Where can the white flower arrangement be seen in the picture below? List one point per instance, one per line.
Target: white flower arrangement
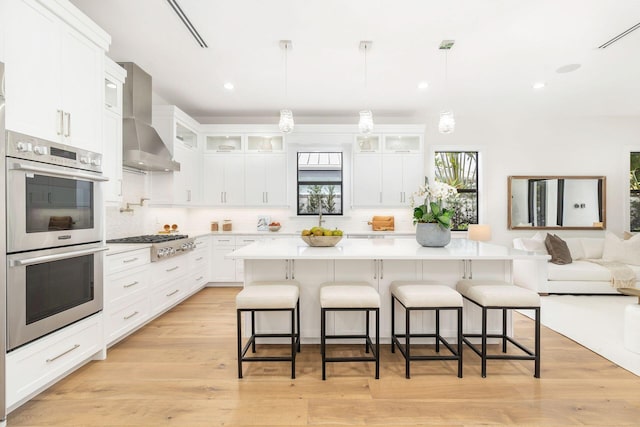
(429, 202)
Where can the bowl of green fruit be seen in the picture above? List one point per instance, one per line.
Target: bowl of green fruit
(318, 236)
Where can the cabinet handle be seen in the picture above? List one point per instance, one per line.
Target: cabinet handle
(199, 278)
(173, 268)
(188, 195)
(130, 284)
(60, 122)
(130, 260)
(173, 293)
(67, 132)
(375, 269)
(120, 192)
(63, 353)
(222, 240)
(135, 313)
(266, 194)
(293, 269)
(199, 258)
(381, 269)
(222, 197)
(286, 269)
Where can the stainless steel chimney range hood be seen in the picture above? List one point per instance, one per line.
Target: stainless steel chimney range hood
(143, 148)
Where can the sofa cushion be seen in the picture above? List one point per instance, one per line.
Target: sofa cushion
(575, 247)
(583, 271)
(558, 249)
(593, 247)
(534, 245)
(625, 251)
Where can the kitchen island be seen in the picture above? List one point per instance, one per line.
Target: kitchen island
(379, 262)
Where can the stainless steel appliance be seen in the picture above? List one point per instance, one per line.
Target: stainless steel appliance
(52, 288)
(56, 199)
(3, 262)
(162, 245)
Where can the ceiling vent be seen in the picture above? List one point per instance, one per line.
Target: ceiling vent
(185, 20)
(619, 36)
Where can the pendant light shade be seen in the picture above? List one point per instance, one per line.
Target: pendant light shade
(365, 125)
(286, 121)
(286, 116)
(447, 123)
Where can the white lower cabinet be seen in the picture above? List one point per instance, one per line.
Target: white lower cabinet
(35, 366)
(224, 269)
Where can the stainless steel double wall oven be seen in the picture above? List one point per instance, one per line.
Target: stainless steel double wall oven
(54, 236)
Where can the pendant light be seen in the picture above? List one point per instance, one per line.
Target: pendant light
(447, 123)
(365, 125)
(286, 116)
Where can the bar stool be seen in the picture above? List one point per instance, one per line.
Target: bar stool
(269, 297)
(498, 295)
(421, 296)
(350, 296)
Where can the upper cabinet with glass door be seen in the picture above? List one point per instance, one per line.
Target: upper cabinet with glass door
(265, 143)
(188, 137)
(368, 144)
(229, 143)
(113, 94)
(402, 143)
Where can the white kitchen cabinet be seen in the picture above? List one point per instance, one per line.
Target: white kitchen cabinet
(179, 132)
(223, 179)
(225, 269)
(367, 179)
(265, 179)
(401, 176)
(199, 264)
(34, 366)
(112, 131)
(55, 73)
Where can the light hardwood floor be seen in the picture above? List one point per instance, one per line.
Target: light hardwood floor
(181, 370)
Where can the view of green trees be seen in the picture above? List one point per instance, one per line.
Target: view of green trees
(460, 170)
(634, 193)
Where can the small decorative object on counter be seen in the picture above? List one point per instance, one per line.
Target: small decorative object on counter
(214, 225)
(382, 223)
(274, 226)
(226, 225)
(263, 222)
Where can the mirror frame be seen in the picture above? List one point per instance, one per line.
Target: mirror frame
(604, 202)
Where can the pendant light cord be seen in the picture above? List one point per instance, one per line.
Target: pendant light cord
(286, 70)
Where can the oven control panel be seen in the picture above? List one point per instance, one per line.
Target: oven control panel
(21, 146)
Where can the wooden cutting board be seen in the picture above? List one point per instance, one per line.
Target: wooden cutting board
(382, 223)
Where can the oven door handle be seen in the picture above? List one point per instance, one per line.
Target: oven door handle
(56, 172)
(49, 258)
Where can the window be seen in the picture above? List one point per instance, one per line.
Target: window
(460, 170)
(634, 191)
(319, 183)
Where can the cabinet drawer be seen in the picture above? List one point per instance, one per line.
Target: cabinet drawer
(125, 260)
(198, 259)
(129, 316)
(35, 365)
(126, 284)
(169, 269)
(197, 279)
(167, 295)
(202, 242)
(224, 240)
(246, 240)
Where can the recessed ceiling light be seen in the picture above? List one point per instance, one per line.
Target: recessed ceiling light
(568, 68)
(539, 85)
(423, 85)
(228, 86)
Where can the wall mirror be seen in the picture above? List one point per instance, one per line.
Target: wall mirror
(557, 202)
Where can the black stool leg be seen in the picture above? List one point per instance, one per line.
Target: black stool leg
(459, 310)
(293, 345)
(253, 330)
(322, 342)
(377, 343)
(537, 344)
(298, 323)
(407, 342)
(504, 330)
(366, 342)
(393, 324)
(484, 342)
(239, 325)
(437, 330)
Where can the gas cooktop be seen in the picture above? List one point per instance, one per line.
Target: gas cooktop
(149, 238)
(162, 245)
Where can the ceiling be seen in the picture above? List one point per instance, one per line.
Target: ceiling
(501, 48)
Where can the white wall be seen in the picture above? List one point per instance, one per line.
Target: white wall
(510, 146)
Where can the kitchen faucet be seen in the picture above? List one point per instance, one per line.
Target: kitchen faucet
(320, 220)
(130, 209)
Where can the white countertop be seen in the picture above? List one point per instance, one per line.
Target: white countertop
(389, 248)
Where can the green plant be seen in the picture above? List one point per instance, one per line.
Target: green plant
(430, 203)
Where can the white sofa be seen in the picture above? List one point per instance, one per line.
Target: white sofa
(578, 277)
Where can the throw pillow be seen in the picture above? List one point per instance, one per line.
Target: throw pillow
(558, 250)
(575, 248)
(624, 251)
(534, 245)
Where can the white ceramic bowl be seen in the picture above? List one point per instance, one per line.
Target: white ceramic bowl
(274, 227)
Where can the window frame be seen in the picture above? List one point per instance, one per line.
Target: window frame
(631, 192)
(340, 183)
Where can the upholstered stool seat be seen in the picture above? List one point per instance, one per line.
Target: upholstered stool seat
(269, 296)
(350, 296)
(422, 296)
(499, 295)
